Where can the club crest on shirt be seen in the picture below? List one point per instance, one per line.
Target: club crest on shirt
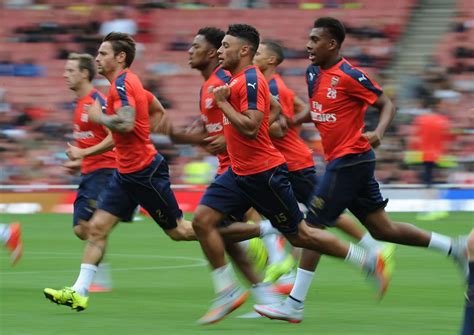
(210, 89)
(334, 81)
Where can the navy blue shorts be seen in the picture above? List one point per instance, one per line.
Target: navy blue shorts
(269, 192)
(348, 182)
(303, 182)
(150, 188)
(90, 188)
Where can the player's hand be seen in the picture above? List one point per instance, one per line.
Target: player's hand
(72, 166)
(221, 93)
(283, 121)
(373, 137)
(216, 145)
(74, 153)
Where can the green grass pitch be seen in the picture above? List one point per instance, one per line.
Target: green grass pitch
(163, 287)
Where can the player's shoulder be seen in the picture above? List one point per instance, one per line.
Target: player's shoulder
(312, 73)
(128, 78)
(354, 76)
(221, 75)
(349, 71)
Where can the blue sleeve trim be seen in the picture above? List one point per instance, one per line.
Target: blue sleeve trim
(121, 89)
(251, 82)
(103, 104)
(274, 88)
(312, 74)
(223, 76)
(359, 77)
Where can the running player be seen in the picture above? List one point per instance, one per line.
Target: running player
(302, 172)
(92, 151)
(10, 236)
(339, 95)
(142, 177)
(203, 57)
(257, 178)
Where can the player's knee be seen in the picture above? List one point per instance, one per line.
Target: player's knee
(81, 232)
(174, 234)
(300, 239)
(97, 230)
(202, 222)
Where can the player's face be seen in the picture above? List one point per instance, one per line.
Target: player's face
(74, 77)
(319, 46)
(229, 52)
(106, 61)
(199, 53)
(262, 57)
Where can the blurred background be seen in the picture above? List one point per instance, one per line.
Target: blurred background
(420, 51)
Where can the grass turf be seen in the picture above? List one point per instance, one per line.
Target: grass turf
(163, 287)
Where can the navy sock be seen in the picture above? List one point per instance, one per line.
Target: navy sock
(468, 326)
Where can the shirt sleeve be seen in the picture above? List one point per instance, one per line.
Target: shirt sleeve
(125, 93)
(252, 94)
(149, 97)
(360, 86)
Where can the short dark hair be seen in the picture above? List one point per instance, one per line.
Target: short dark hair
(213, 35)
(122, 42)
(276, 48)
(84, 62)
(245, 32)
(333, 26)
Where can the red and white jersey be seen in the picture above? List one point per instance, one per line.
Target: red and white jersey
(211, 115)
(249, 91)
(339, 97)
(88, 134)
(296, 152)
(135, 151)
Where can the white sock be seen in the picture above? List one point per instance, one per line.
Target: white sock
(4, 232)
(275, 252)
(102, 276)
(368, 242)
(303, 281)
(266, 228)
(441, 243)
(357, 255)
(84, 280)
(223, 278)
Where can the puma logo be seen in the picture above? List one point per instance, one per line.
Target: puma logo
(362, 78)
(252, 85)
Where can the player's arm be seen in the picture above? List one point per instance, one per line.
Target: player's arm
(275, 109)
(75, 153)
(195, 134)
(159, 119)
(302, 112)
(122, 122)
(247, 123)
(387, 113)
(279, 128)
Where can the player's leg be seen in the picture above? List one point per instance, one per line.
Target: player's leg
(289, 220)
(468, 325)
(90, 187)
(10, 236)
(114, 205)
(369, 208)
(263, 293)
(222, 196)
